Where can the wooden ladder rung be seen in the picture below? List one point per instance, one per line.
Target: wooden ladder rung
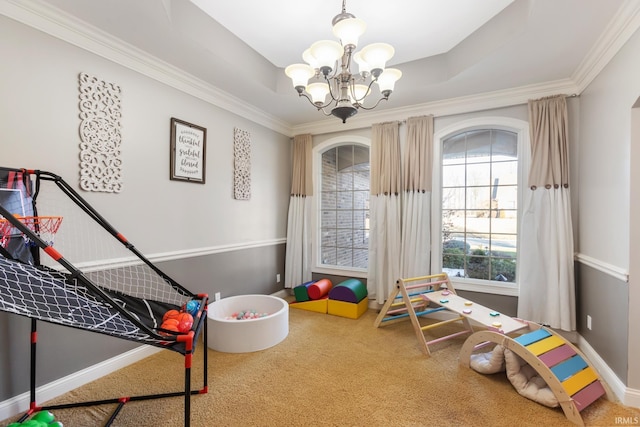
(443, 322)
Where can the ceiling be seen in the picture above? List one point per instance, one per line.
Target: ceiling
(447, 49)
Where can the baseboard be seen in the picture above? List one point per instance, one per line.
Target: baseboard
(20, 404)
(282, 293)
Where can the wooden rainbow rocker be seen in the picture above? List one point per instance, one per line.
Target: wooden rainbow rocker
(572, 380)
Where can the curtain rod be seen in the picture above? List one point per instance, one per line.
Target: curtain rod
(403, 122)
(572, 95)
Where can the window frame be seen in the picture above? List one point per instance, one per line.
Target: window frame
(318, 150)
(521, 129)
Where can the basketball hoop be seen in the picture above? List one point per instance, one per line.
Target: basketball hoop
(44, 226)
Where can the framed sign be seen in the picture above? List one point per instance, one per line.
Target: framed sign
(188, 151)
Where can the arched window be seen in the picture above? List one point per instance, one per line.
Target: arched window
(341, 167)
(481, 167)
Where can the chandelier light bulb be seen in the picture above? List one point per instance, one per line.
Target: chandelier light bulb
(349, 31)
(387, 80)
(318, 92)
(310, 59)
(299, 75)
(363, 66)
(326, 52)
(377, 55)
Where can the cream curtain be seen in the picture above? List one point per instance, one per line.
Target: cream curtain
(545, 259)
(298, 251)
(385, 211)
(416, 203)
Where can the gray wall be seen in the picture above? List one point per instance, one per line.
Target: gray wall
(61, 352)
(604, 221)
(239, 244)
(609, 321)
(248, 271)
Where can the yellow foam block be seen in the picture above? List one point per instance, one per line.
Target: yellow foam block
(319, 305)
(348, 309)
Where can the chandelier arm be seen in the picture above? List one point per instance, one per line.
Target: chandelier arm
(319, 107)
(384, 98)
(367, 93)
(333, 98)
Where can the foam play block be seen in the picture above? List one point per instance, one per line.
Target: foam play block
(351, 290)
(318, 306)
(319, 289)
(347, 309)
(301, 292)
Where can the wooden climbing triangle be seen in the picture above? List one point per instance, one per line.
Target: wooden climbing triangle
(411, 299)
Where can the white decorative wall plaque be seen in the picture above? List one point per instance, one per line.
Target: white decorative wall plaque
(241, 164)
(100, 136)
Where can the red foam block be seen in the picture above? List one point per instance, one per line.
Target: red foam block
(319, 288)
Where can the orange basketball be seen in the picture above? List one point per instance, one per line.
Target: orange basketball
(169, 325)
(173, 322)
(185, 322)
(171, 314)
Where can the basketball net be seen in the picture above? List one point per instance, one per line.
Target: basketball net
(45, 227)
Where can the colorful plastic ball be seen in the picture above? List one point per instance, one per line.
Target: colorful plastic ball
(44, 416)
(192, 307)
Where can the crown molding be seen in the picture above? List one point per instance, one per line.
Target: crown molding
(63, 26)
(623, 25)
(466, 104)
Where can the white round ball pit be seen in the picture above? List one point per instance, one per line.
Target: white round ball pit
(247, 335)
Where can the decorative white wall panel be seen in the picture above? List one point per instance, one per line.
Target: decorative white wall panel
(241, 164)
(100, 135)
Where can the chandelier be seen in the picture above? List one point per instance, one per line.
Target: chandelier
(327, 80)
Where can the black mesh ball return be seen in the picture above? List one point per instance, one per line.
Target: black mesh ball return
(105, 285)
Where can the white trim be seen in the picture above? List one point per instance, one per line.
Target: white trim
(490, 287)
(603, 267)
(627, 396)
(190, 253)
(618, 32)
(68, 28)
(19, 404)
(172, 256)
(446, 107)
(65, 27)
(282, 293)
(316, 266)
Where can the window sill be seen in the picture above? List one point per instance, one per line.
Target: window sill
(356, 273)
(488, 287)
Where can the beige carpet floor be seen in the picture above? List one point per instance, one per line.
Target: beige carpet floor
(329, 371)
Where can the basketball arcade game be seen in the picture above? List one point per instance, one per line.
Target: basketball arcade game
(122, 295)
